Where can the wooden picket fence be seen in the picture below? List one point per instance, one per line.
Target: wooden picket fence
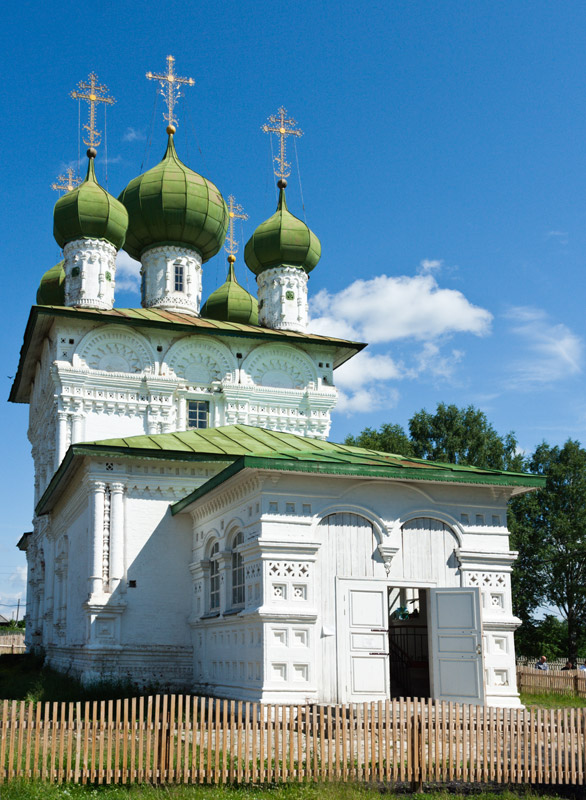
(535, 681)
(185, 739)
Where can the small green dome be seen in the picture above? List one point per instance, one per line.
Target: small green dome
(51, 291)
(282, 240)
(231, 302)
(89, 212)
(172, 204)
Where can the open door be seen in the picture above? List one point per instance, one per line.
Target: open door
(363, 654)
(455, 645)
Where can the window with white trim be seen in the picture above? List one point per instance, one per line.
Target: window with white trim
(214, 578)
(198, 413)
(237, 572)
(178, 277)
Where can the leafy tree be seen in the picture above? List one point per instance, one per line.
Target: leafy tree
(547, 637)
(462, 436)
(549, 529)
(391, 438)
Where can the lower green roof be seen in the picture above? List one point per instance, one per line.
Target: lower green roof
(245, 446)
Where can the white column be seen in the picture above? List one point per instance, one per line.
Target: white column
(116, 535)
(61, 447)
(96, 538)
(49, 551)
(76, 431)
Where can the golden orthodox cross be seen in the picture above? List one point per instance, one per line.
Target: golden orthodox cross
(277, 123)
(66, 182)
(170, 88)
(92, 92)
(235, 211)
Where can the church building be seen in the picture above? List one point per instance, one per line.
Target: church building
(193, 526)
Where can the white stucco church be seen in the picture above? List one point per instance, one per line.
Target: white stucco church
(192, 524)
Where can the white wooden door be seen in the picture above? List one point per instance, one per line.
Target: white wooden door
(363, 644)
(455, 645)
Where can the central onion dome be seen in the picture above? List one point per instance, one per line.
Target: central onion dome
(51, 291)
(173, 205)
(282, 240)
(231, 302)
(89, 212)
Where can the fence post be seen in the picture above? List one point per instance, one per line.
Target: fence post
(417, 751)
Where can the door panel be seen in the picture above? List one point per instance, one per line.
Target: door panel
(455, 644)
(363, 662)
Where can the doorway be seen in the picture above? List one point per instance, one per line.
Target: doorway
(408, 642)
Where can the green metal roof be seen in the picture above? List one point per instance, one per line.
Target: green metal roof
(250, 447)
(172, 204)
(41, 319)
(51, 289)
(282, 240)
(231, 302)
(89, 212)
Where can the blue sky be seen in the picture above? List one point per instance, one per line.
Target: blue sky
(443, 168)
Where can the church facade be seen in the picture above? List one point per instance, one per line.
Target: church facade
(193, 527)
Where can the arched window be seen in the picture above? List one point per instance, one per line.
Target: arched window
(237, 572)
(214, 578)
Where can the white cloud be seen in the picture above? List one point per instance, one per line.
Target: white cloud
(552, 351)
(133, 135)
(429, 265)
(15, 588)
(366, 368)
(127, 273)
(367, 399)
(385, 309)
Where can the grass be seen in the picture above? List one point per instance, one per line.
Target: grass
(23, 677)
(20, 790)
(552, 700)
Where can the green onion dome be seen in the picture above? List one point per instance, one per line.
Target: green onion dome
(282, 240)
(89, 212)
(231, 302)
(170, 204)
(51, 291)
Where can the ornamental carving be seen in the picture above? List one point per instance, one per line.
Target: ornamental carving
(200, 363)
(280, 366)
(114, 351)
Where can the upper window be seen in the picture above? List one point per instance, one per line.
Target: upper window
(237, 572)
(214, 579)
(178, 278)
(198, 413)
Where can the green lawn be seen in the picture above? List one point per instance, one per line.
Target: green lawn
(336, 791)
(549, 700)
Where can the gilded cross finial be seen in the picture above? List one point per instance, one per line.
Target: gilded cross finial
(277, 123)
(170, 89)
(235, 211)
(66, 182)
(92, 92)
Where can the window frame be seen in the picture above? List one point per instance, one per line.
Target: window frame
(238, 581)
(214, 579)
(179, 277)
(205, 403)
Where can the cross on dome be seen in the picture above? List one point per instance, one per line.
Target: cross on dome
(235, 211)
(92, 92)
(282, 127)
(67, 182)
(170, 89)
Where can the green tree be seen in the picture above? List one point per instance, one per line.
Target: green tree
(390, 438)
(462, 436)
(549, 529)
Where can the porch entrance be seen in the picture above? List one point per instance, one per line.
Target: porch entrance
(408, 641)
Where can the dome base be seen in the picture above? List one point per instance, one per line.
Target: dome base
(90, 272)
(171, 279)
(282, 299)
